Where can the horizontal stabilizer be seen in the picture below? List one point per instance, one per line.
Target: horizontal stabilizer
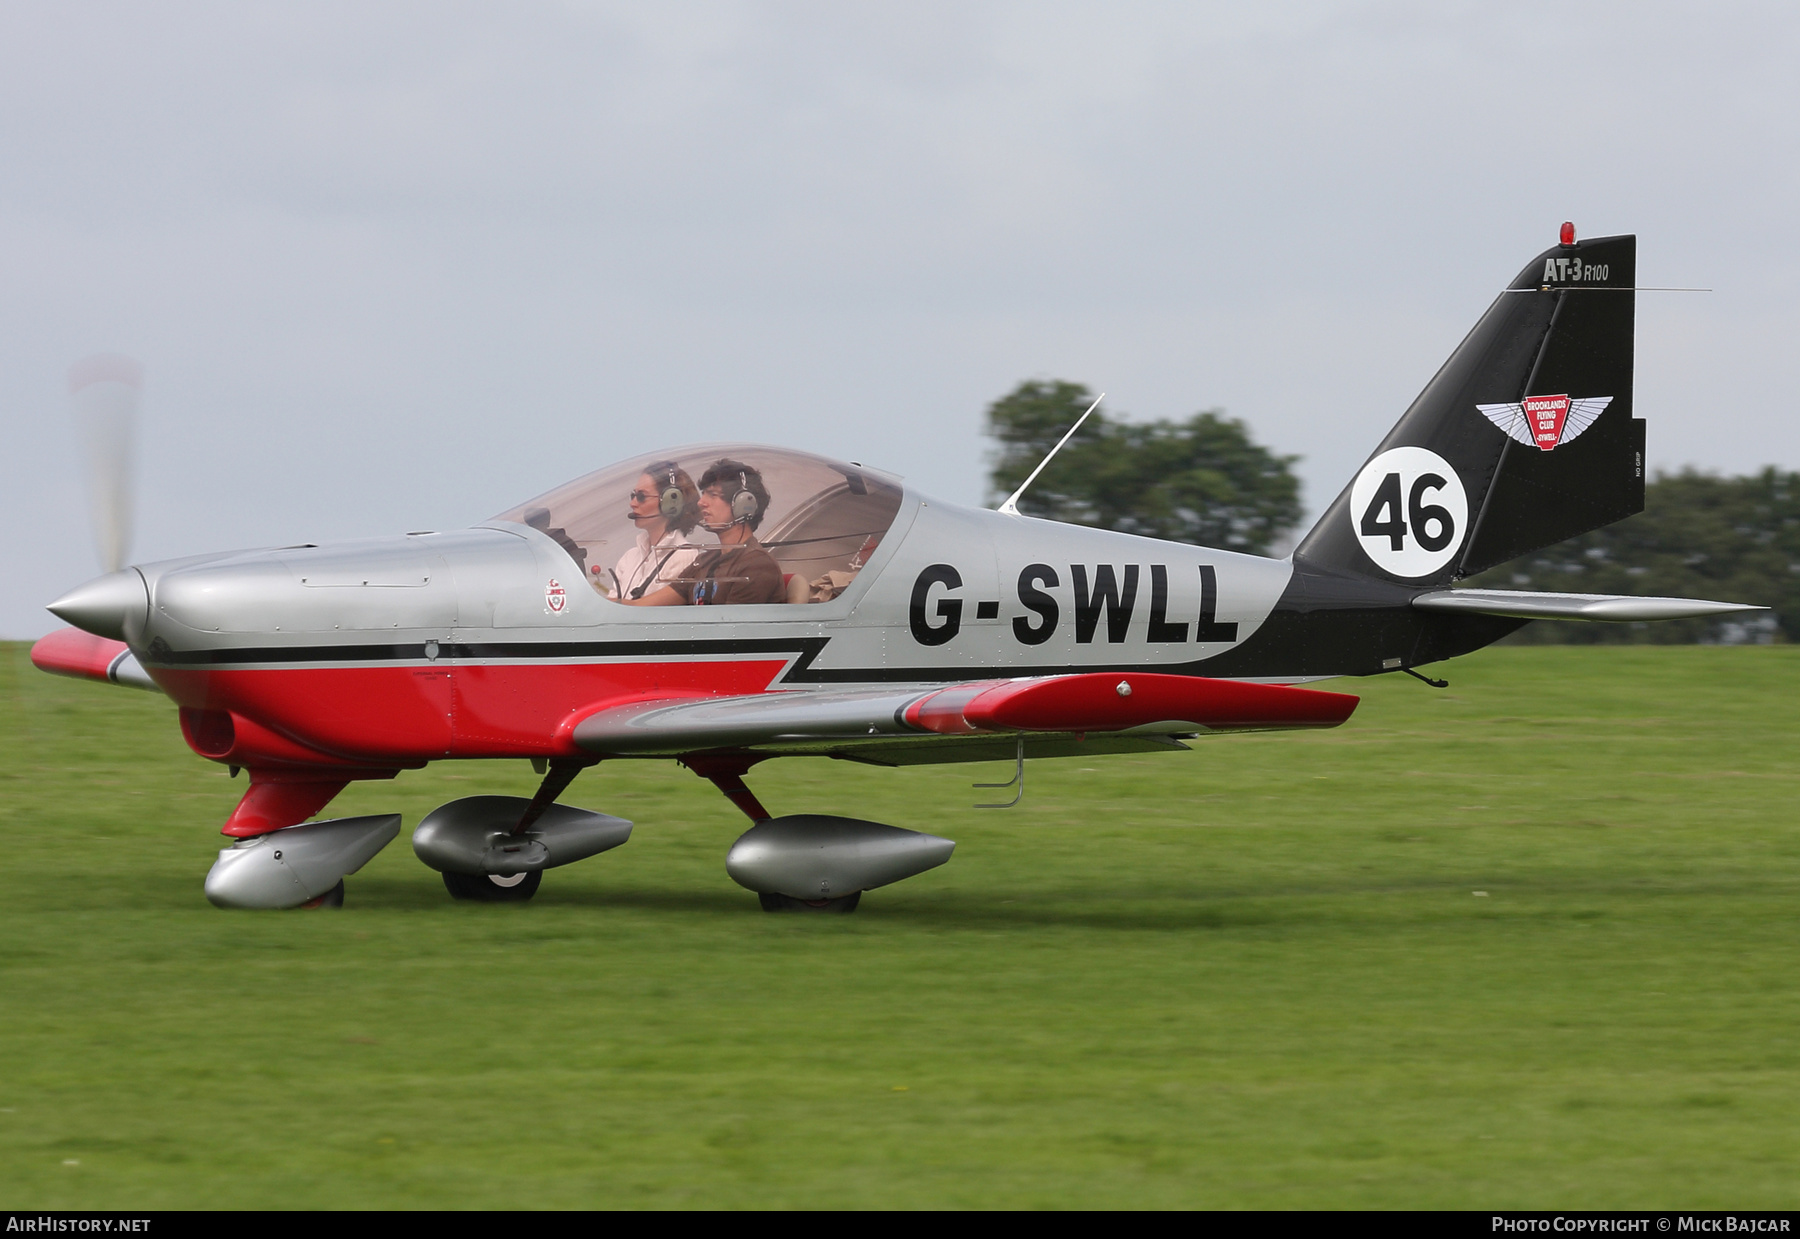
(1616, 608)
(1071, 704)
(83, 656)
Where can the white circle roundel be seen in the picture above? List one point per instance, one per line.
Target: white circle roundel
(1409, 511)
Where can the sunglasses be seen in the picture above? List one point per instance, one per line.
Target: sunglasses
(643, 496)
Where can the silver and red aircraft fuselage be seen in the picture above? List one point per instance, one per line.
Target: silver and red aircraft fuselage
(908, 630)
(314, 665)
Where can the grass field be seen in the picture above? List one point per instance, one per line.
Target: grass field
(1530, 941)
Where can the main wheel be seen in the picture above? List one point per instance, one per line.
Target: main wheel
(771, 902)
(492, 888)
(333, 898)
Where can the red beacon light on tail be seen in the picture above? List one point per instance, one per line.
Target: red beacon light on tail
(1568, 233)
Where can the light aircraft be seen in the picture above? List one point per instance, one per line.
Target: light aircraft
(846, 615)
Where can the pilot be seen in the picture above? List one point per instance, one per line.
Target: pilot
(733, 500)
(665, 507)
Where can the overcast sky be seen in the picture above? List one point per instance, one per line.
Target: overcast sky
(401, 266)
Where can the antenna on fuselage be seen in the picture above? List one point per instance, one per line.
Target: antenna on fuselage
(1011, 506)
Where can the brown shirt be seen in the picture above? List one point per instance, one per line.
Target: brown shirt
(730, 575)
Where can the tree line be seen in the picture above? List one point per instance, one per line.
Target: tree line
(1204, 481)
(1201, 481)
(1736, 539)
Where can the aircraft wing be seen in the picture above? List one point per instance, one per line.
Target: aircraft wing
(1616, 608)
(916, 723)
(83, 656)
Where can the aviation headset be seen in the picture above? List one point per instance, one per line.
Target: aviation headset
(743, 503)
(671, 501)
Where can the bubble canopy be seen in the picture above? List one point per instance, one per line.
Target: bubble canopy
(821, 521)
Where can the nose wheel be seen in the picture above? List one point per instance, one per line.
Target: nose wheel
(333, 898)
(492, 888)
(772, 902)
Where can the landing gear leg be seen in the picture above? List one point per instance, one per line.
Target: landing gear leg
(557, 778)
(492, 888)
(727, 774)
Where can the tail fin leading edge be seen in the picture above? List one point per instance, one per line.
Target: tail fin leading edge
(1525, 437)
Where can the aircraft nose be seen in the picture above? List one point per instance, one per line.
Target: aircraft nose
(105, 604)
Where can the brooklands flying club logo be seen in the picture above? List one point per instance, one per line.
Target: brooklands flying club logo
(1546, 422)
(555, 597)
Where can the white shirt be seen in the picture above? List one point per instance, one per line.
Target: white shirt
(648, 566)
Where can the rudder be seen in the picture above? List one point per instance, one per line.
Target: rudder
(1525, 436)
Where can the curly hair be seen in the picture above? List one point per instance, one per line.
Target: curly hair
(729, 471)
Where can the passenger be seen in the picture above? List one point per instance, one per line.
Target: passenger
(665, 507)
(733, 500)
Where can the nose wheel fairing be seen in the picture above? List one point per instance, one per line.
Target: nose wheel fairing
(295, 865)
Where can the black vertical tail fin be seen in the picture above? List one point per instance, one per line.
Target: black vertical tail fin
(1524, 437)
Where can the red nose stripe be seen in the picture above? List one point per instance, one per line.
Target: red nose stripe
(1095, 703)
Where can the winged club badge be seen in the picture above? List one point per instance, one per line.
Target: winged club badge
(1546, 422)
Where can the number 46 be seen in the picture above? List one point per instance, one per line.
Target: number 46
(1432, 525)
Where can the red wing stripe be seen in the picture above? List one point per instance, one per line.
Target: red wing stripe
(1095, 702)
(1114, 702)
(943, 711)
